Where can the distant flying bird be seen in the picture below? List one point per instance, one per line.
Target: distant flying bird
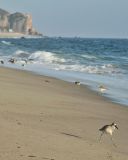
(108, 129)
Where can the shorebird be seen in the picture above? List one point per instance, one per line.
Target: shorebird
(12, 60)
(77, 83)
(102, 89)
(1, 61)
(108, 129)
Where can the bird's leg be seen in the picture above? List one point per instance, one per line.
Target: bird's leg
(101, 136)
(113, 142)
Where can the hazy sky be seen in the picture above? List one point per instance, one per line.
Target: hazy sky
(84, 18)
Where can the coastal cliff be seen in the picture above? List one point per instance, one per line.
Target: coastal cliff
(16, 23)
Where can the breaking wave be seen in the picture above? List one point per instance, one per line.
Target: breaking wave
(6, 42)
(21, 54)
(105, 69)
(88, 56)
(46, 57)
(59, 62)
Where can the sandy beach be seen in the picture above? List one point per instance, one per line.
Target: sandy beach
(50, 119)
(11, 35)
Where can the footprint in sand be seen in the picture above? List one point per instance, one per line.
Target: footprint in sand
(47, 81)
(18, 147)
(31, 156)
(19, 123)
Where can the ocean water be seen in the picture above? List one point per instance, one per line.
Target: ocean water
(93, 62)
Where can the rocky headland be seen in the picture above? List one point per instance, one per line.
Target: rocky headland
(16, 24)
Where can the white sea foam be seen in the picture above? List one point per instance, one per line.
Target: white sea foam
(88, 56)
(46, 57)
(105, 69)
(6, 42)
(21, 62)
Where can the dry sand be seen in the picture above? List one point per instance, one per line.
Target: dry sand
(43, 118)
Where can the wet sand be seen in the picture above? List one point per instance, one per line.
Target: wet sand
(50, 119)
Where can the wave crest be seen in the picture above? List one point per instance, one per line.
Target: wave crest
(105, 69)
(6, 42)
(21, 54)
(46, 57)
(88, 56)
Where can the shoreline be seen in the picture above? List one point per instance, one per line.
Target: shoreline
(107, 98)
(56, 65)
(48, 118)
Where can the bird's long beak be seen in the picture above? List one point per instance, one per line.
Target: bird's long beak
(116, 127)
